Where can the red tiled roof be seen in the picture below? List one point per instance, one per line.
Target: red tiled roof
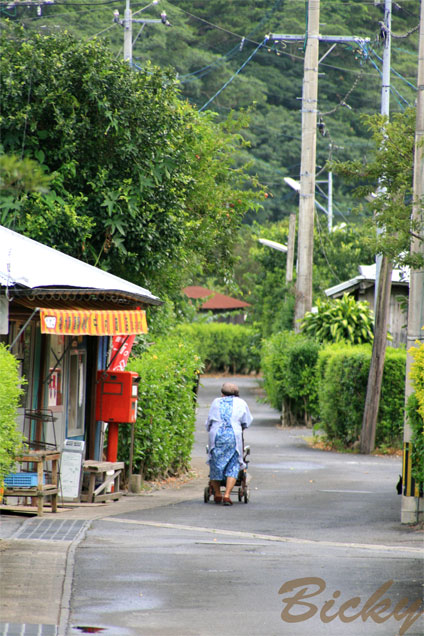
(216, 300)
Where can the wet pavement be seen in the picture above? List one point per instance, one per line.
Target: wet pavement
(166, 563)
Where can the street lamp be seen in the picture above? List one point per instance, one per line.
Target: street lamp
(276, 246)
(295, 185)
(283, 248)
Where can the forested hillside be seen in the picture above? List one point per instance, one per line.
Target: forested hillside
(224, 62)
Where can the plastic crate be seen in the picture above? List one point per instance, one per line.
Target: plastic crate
(22, 480)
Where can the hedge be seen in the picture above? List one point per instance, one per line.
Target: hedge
(10, 391)
(342, 379)
(164, 431)
(416, 414)
(288, 365)
(328, 383)
(224, 347)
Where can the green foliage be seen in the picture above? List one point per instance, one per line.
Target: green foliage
(205, 47)
(390, 168)
(416, 422)
(164, 430)
(148, 187)
(10, 391)
(340, 320)
(260, 272)
(288, 365)
(416, 413)
(224, 347)
(343, 376)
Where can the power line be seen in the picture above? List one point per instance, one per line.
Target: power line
(231, 78)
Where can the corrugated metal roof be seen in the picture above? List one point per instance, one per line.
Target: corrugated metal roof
(367, 273)
(30, 264)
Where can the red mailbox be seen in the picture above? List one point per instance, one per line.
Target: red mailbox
(116, 396)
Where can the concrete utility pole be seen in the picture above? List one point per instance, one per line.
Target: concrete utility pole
(290, 248)
(127, 23)
(307, 167)
(383, 278)
(414, 507)
(305, 240)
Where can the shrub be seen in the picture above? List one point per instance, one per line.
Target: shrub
(416, 413)
(288, 364)
(340, 320)
(224, 347)
(164, 430)
(10, 391)
(416, 422)
(343, 376)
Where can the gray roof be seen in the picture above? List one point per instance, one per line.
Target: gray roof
(27, 264)
(367, 274)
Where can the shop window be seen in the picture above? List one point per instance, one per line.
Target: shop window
(76, 397)
(55, 371)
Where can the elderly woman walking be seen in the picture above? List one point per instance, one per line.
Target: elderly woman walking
(228, 416)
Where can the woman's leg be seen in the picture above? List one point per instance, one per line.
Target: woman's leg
(229, 486)
(216, 485)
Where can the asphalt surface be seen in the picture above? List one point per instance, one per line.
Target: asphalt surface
(319, 525)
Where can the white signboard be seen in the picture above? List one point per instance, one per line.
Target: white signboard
(70, 469)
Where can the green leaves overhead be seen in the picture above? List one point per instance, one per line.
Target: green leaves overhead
(149, 186)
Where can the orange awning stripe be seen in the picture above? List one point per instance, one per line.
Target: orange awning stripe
(93, 323)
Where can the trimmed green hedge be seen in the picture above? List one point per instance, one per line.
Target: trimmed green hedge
(327, 384)
(416, 414)
(343, 376)
(224, 347)
(288, 365)
(10, 391)
(164, 430)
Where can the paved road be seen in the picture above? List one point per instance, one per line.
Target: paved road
(185, 568)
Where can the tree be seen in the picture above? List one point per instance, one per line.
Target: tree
(386, 180)
(388, 183)
(210, 41)
(141, 184)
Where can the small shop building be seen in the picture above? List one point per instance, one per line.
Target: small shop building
(60, 317)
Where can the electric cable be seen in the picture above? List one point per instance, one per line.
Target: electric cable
(231, 78)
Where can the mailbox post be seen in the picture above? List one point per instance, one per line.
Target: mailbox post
(116, 403)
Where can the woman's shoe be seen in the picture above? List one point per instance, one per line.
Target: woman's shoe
(227, 501)
(217, 499)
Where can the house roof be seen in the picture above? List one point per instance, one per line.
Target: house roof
(43, 273)
(215, 301)
(366, 276)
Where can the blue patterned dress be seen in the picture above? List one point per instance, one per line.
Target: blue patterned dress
(224, 457)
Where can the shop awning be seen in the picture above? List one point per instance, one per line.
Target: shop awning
(93, 323)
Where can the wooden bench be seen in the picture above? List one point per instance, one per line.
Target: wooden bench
(98, 470)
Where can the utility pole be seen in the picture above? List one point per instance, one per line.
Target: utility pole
(305, 239)
(330, 201)
(307, 167)
(410, 506)
(290, 248)
(383, 279)
(127, 23)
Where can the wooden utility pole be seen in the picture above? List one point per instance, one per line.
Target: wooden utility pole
(307, 167)
(290, 248)
(410, 509)
(383, 281)
(375, 376)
